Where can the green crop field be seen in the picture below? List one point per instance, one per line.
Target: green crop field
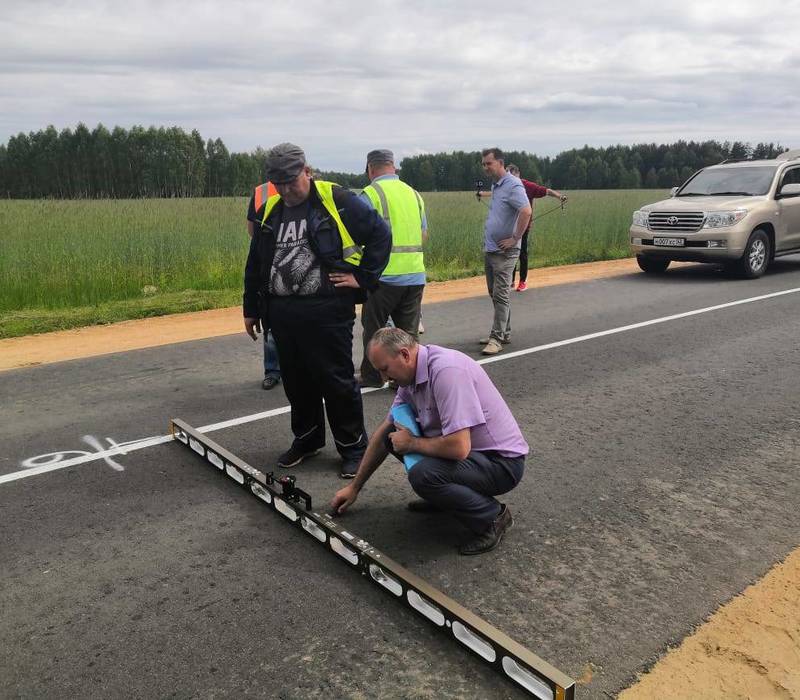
(77, 262)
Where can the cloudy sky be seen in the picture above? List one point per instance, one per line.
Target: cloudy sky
(413, 76)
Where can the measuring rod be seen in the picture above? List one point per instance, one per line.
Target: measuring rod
(503, 654)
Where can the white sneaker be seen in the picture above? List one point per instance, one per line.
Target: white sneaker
(492, 347)
(484, 341)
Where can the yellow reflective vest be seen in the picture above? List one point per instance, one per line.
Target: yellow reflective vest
(402, 208)
(351, 253)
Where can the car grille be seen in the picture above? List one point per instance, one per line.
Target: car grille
(675, 222)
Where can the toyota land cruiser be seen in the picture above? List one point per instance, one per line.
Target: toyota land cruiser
(739, 214)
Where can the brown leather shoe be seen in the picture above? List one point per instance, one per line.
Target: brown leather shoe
(489, 539)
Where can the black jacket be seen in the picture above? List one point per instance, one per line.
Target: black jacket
(365, 225)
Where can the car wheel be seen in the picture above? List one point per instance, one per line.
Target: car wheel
(653, 265)
(756, 256)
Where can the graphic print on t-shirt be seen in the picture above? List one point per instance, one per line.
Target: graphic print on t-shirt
(295, 268)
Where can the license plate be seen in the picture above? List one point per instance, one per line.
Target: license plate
(673, 242)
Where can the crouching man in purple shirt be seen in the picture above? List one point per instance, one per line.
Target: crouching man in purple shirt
(471, 445)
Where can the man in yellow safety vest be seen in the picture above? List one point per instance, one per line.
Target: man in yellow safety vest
(399, 291)
(317, 252)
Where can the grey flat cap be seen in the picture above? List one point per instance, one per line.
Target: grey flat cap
(284, 163)
(380, 156)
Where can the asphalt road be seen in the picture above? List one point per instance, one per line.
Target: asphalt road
(662, 482)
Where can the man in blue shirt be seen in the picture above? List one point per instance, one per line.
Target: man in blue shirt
(509, 216)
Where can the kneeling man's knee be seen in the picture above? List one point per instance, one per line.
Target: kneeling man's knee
(423, 474)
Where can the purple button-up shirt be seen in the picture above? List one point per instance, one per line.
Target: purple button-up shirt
(452, 392)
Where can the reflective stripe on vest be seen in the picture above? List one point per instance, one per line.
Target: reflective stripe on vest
(262, 194)
(351, 252)
(402, 209)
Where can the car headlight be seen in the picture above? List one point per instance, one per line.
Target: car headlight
(640, 218)
(720, 219)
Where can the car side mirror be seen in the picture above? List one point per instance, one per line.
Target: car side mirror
(791, 189)
(673, 191)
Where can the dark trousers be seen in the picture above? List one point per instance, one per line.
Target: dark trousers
(523, 260)
(402, 303)
(314, 336)
(466, 488)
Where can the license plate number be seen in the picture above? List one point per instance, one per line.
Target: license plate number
(673, 242)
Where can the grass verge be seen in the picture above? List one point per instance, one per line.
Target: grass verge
(32, 321)
(65, 264)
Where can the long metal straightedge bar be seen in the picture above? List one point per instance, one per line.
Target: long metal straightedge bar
(507, 657)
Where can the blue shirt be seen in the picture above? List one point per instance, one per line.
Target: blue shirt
(508, 197)
(410, 278)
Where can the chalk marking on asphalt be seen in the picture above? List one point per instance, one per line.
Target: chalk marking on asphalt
(53, 461)
(60, 458)
(125, 448)
(94, 443)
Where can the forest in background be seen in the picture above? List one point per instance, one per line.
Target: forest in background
(159, 162)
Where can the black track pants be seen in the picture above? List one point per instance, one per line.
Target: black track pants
(314, 336)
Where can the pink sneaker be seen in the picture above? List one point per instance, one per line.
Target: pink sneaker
(522, 286)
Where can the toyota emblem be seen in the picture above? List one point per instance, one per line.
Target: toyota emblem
(672, 220)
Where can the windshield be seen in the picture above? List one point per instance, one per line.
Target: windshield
(734, 180)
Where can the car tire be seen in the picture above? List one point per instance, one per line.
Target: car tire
(756, 256)
(653, 266)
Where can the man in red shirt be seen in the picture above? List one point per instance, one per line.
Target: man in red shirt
(533, 191)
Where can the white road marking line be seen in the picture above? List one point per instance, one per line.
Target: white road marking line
(634, 326)
(60, 458)
(83, 459)
(125, 448)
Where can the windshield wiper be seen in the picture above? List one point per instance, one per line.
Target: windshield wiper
(743, 194)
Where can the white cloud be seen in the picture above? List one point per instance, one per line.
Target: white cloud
(342, 78)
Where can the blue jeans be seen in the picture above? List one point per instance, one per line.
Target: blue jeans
(272, 367)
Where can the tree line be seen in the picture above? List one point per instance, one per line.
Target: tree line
(647, 165)
(168, 162)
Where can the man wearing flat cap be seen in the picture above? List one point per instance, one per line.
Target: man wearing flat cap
(399, 291)
(317, 252)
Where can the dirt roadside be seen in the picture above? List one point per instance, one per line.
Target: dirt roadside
(91, 341)
(750, 648)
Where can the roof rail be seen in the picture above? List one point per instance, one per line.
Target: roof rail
(789, 155)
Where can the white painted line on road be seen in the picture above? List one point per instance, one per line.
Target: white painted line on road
(57, 463)
(634, 326)
(161, 439)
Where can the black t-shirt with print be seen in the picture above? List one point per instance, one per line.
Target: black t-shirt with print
(295, 267)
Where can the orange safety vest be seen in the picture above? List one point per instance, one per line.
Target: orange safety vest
(263, 193)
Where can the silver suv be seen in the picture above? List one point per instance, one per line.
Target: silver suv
(740, 214)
